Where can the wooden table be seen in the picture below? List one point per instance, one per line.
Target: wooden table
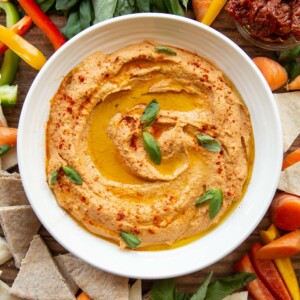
(190, 282)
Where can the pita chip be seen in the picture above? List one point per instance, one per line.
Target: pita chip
(98, 284)
(19, 224)
(10, 159)
(11, 190)
(289, 109)
(5, 294)
(39, 278)
(237, 296)
(290, 180)
(135, 291)
(5, 254)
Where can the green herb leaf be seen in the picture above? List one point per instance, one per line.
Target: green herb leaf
(158, 6)
(288, 55)
(124, 7)
(208, 143)
(45, 5)
(215, 198)
(73, 24)
(54, 176)
(86, 14)
(152, 148)
(143, 5)
(293, 69)
(4, 149)
(165, 49)
(163, 290)
(131, 240)
(174, 7)
(227, 285)
(179, 295)
(202, 290)
(104, 9)
(65, 4)
(150, 113)
(72, 175)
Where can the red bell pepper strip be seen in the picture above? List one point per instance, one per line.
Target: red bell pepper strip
(19, 28)
(256, 288)
(268, 273)
(43, 22)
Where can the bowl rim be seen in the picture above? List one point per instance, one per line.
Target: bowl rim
(139, 256)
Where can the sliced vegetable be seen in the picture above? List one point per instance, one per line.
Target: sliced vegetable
(291, 159)
(200, 8)
(4, 149)
(285, 246)
(284, 265)
(294, 85)
(43, 22)
(8, 94)
(256, 288)
(213, 10)
(274, 73)
(72, 175)
(19, 28)
(83, 296)
(268, 273)
(285, 211)
(8, 136)
(130, 239)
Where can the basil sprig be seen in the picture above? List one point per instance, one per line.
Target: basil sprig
(4, 149)
(202, 290)
(150, 113)
(152, 148)
(215, 198)
(130, 239)
(72, 175)
(165, 49)
(54, 176)
(208, 143)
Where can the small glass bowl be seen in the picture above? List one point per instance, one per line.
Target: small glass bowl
(273, 44)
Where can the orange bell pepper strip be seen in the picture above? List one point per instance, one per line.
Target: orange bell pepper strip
(291, 159)
(19, 28)
(40, 19)
(22, 48)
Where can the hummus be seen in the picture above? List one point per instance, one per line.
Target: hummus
(95, 128)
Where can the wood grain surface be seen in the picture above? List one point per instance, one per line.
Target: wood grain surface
(190, 282)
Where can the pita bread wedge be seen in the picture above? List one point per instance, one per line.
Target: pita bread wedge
(19, 224)
(135, 291)
(11, 190)
(39, 278)
(5, 254)
(5, 294)
(98, 284)
(290, 180)
(289, 109)
(10, 159)
(237, 296)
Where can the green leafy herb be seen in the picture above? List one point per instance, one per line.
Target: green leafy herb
(45, 5)
(65, 4)
(163, 290)
(86, 14)
(124, 7)
(54, 176)
(208, 143)
(165, 49)
(293, 69)
(227, 285)
(150, 113)
(215, 198)
(131, 240)
(174, 7)
(202, 290)
(73, 24)
(143, 5)
(72, 175)
(4, 149)
(104, 9)
(288, 55)
(182, 295)
(158, 6)
(152, 148)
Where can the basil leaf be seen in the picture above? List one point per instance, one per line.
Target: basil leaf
(143, 5)
(182, 296)
(158, 6)
(288, 55)
(65, 4)
(293, 69)
(163, 290)
(165, 49)
(174, 7)
(150, 113)
(4, 149)
(45, 5)
(202, 290)
(227, 285)
(54, 176)
(104, 9)
(131, 240)
(208, 143)
(72, 175)
(124, 7)
(152, 148)
(86, 14)
(207, 196)
(73, 24)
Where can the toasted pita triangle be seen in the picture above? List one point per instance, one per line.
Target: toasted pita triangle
(135, 291)
(5, 254)
(5, 294)
(10, 159)
(98, 284)
(290, 180)
(289, 109)
(19, 224)
(39, 277)
(11, 190)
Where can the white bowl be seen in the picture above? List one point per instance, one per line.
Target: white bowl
(188, 34)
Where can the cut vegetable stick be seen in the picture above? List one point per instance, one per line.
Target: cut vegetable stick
(256, 288)
(267, 272)
(293, 85)
(8, 136)
(285, 211)
(285, 246)
(83, 296)
(200, 8)
(291, 159)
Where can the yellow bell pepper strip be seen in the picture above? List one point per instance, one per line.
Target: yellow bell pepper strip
(11, 60)
(284, 265)
(212, 11)
(24, 49)
(43, 22)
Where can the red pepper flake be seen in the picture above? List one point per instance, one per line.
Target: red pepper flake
(81, 78)
(120, 216)
(151, 231)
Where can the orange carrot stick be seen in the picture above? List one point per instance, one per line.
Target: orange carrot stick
(8, 136)
(285, 246)
(291, 159)
(200, 8)
(83, 296)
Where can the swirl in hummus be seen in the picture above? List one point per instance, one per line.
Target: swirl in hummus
(95, 127)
